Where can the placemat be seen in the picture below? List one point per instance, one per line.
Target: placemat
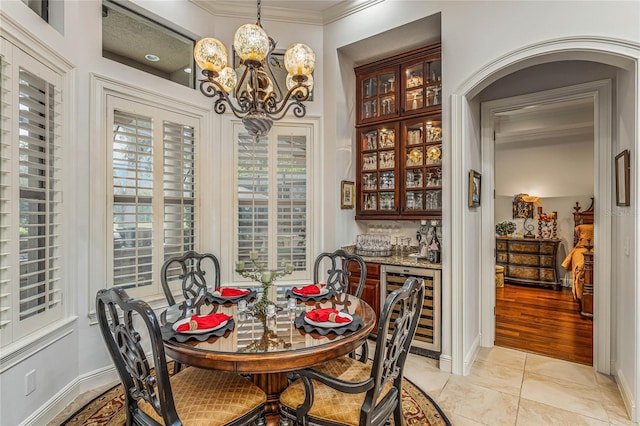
(299, 322)
(315, 297)
(222, 300)
(168, 333)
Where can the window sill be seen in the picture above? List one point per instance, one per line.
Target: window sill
(19, 351)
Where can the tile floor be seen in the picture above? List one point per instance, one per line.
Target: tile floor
(506, 387)
(509, 387)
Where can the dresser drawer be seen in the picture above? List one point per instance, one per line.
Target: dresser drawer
(523, 247)
(548, 261)
(501, 257)
(548, 275)
(522, 272)
(547, 248)
(501, 245)
(524, 259)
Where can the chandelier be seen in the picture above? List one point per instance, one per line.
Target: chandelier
(259, 97)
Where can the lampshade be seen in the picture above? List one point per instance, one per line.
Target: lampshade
(299, 59)
(210, 54)
(251, 42)
(291, 83)
(228, 79)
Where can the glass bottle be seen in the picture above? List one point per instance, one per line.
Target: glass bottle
(433, 252)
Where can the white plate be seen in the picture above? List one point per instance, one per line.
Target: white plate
(199, 331)
(323, 291)
(219, 294)
(329, 324)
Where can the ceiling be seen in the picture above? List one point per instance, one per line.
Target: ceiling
(562, 122)
(317, 12)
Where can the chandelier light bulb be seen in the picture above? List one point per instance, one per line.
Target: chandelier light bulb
(210, 54)
(299, 59)
(227, 79)
(251, 43)
(308, 83)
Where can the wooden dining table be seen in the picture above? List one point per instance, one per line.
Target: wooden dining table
(268, 348)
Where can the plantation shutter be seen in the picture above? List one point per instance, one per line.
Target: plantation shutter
(292, 200)
(179, 194)
(253, 198)
(273, 198)
(5, 196)
(179, 189)
(30, 195)
(40, 196)
(154, 193)
(133, 184)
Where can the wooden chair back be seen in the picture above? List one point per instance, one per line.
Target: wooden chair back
(189, 269)
(337, 271)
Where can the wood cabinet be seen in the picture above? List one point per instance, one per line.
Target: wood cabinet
(399, 137)
(529, 261)
(371, 291)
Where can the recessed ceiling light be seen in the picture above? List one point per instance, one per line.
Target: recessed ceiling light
(187, 70)
(152, 58)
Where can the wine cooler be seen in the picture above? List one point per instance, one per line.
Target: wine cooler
(429, 331)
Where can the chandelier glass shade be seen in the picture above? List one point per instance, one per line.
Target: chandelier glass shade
(259, 98)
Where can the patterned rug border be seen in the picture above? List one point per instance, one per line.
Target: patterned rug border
(435, 405)
(118, 388)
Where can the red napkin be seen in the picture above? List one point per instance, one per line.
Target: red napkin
(308, 290)
(203, 322)
(326, 315)
(232, 292)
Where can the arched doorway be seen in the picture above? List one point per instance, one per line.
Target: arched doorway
(464, 113)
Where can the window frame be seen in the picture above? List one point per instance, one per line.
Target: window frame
(101, 227)
(13, 44)
(229, 229)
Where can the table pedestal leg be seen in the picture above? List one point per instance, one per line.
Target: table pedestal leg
(272, 384)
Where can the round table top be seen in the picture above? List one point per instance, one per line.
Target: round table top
(273, 345)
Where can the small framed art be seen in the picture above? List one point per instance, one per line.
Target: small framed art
(346, 194)
(622, 179)
(474, 188)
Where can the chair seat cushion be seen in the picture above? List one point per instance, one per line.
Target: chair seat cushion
(208, 397)
(330, 404)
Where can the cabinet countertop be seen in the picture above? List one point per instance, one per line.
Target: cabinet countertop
(402, 261)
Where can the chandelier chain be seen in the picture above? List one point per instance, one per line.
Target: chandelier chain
(259, 12)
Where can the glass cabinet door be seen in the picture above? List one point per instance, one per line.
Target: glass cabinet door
(378, 170)
(422, 83)
(379, 96)
(422, 165)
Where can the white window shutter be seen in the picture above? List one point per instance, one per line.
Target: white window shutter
(30, 195)
(153, 172)
(273, 198)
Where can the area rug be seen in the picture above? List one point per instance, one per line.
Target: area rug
(108, 409)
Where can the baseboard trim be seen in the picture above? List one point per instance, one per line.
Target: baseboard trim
(471, 356)
(627, 396)
(446, 364)
(47, 412)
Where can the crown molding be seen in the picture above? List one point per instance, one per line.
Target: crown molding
(247, 10)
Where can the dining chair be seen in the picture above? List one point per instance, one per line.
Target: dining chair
(337, 271)
(189, 269)
(368, 393)
(152, 397)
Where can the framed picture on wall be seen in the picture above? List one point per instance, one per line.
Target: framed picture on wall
(347, 193)
(622, 179)
(474, 188)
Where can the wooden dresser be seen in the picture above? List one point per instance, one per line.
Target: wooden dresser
(529, 261)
